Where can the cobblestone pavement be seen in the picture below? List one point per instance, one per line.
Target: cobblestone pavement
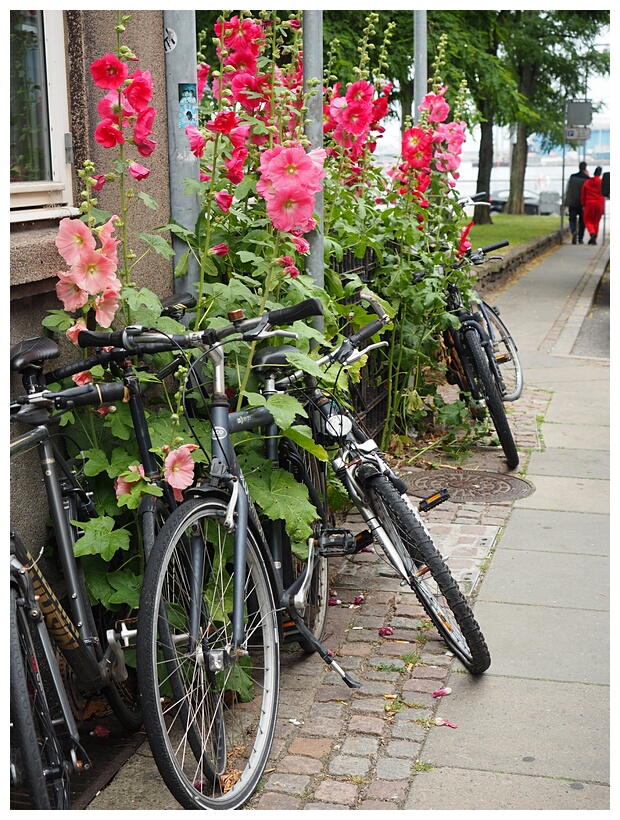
(338, 748)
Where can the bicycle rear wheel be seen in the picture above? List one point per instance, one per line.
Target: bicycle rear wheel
(209, 717)
(428, 576)
(505, 353)
(37, 757)
(486, 386)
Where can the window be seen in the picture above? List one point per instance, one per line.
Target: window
(40, 169)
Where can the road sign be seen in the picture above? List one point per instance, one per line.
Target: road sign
(577, 133)
(578, 112)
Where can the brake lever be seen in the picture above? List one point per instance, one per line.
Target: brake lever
(356, 355)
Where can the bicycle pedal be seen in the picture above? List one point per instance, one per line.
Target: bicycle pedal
(503, 358)
(337, 542)
(433, 500)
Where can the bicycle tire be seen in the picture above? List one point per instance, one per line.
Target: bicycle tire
(506, 355)
(210, 732)
(37, 758)
(487, 387)
(428, 576)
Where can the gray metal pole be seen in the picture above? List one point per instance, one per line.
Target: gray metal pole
(420, 73)
(182, 108)
(313, 69)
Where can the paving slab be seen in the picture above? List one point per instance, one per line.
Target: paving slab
(570, 463)
(571, 581)
(570, 494)
(567, 404)
(449, 789)
(546, 530)
(546, 642)
(576, 436)
(522, 726)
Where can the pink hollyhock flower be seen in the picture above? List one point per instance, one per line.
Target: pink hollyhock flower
(139, 92)
(94, 272)
(100, 181)
(356, 117)
(438, 109)
(293, 166)
(386, 631)
(329, 122)
(302, 245)
(142, 129)
(285, 260)
(138, 171)
(290, 206)
(465, 244)
(202, 74)
(417, 148)
(360, 91)
(85, 377)
(239, 135)
(109, 108)
(179, 469)
(224, 122)
(109, 72)
(234, 165)
(108, 135)
(197, 141)
(246, 91)
(73, 332)
(70, 294)
(239, 34)
(243, 61)
(122, 486)
(220, 250)
(107, 304)
(224, 200)
(108, 243)
(72, 238)
(446, 162)
(292, 270)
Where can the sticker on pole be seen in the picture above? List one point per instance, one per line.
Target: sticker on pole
(170, 40)
(188, 105)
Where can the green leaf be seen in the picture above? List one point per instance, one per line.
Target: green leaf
(305, 363)
(158, 244)
(100, 538)
(303, 436)
(148, 201)
(95, 462)
(280, 497)
(247, 184)
(58, 320)
(182, 265)
(285, 409)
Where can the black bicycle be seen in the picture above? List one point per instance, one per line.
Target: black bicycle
(216, 598)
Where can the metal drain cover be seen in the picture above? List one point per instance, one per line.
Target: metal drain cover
(468, 485)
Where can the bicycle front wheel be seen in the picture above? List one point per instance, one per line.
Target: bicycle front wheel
(487, 387)
(37, 757)
(428, 576)
(209, 716)
(506, 355)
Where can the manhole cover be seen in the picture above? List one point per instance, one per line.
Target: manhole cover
(469, 485)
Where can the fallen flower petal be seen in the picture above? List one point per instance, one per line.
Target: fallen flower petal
(439, 693)
(385, 631)
(100, 731)
(359, 599)
(441, 722)
(334, 601)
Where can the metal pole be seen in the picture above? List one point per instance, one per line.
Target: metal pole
(313, 69)
(182, 107)
(420, 78)
(563, 170)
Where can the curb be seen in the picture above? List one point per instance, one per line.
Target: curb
(492, 272)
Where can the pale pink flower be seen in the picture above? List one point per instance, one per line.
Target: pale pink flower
(73, 332)
(93, 272)
(197, 141)
(85, 377)
(179, 469)
(72, 238)
(290, 206)
(107, 304)
(108, 243)
(138, 171)
(438, 109)
(293, 165)
(302, 245)
(122, 486)
(224, 200)
(70, 294)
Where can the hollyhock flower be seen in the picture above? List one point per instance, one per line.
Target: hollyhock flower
(243, 61)
(239, 135)
(290, 206)
(438, 109)
(360, 91)
(93, 272)
(108, 135)
(138, 171)
(220, 250)
(142, 129)
(69, 292)
(465, 244)
(85, 377)
(179, 469)
(453, 133)
(72, 238)
(100, 181)
(417, 147)
(224, 200)
(285, 260)
(73, 332)
(329, 122)
(246, 91)
(108, 243)
(293, 165)
(122, 486)
(202, 75)
(204, 177)
(234, 165)
(139, 92)
(197, 141)
(107, 305)
(356, 117)
(109, 72)
(110, 109)
(224, 122)
(302, 245)
(292, 270)
(446, 162)
(239, 34)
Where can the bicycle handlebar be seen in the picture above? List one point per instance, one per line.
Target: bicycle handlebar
(35, 408)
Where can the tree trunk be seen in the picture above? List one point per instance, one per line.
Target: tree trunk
(405, 98)
(485, 166)
(518, 164)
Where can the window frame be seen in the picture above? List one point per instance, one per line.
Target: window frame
(48, 199)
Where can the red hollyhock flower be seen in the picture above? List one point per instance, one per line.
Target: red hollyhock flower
(109, 72)
(108, 135)
(140, 91)
(138, 171)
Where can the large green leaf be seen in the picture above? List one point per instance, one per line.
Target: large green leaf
(100, 538)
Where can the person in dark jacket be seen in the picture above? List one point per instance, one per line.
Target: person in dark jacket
(572, 201)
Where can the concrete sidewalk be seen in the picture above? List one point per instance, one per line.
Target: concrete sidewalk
(532, 732)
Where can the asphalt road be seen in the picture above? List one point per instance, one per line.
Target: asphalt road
(593, 338)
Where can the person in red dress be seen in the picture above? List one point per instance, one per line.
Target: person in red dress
(593, 204)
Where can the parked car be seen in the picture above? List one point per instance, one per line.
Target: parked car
(499, 199)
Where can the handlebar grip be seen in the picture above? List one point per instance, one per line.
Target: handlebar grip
(366, 332)
(288, 315)
(91, 338)
(81, 365)
(479, 196)
(99, 394)
(495, 246)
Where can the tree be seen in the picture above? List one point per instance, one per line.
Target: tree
(550, 53)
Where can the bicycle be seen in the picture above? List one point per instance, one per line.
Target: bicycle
(210, 616)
